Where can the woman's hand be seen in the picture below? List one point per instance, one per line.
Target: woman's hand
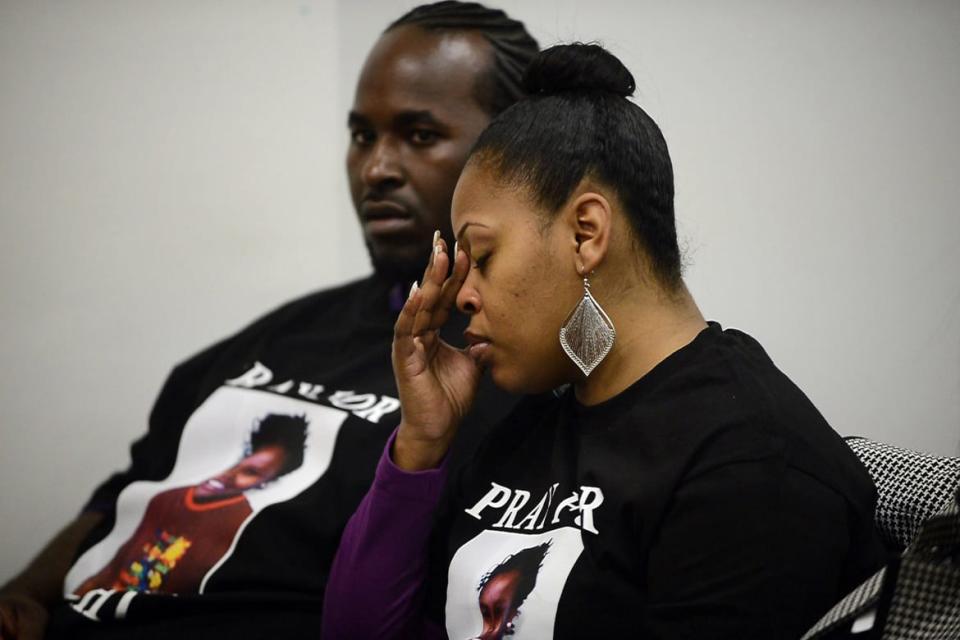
(436, 382)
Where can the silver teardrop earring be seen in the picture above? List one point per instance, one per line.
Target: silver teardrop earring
(588, 334)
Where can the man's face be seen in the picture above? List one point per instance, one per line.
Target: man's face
(414, 119)
(259, 467)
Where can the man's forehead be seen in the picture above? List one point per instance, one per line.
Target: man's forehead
(413, 67)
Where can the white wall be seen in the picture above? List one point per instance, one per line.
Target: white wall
(170, 170)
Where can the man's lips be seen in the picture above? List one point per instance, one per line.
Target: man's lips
(385, 217)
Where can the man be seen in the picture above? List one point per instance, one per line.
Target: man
(429, 86)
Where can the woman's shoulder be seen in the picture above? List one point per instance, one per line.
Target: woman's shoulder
(772, 418)
(729, 375)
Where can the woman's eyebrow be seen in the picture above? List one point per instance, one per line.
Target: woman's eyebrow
(459, 233)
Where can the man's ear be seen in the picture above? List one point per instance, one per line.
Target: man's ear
(590, 218)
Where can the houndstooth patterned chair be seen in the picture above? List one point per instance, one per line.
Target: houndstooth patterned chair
(912, 487)
(918, 512)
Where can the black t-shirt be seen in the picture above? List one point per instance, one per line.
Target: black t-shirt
(708, 500)
(282, 424)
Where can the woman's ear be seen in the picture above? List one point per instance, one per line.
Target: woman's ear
(590, 219)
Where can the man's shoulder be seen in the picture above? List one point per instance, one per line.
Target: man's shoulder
(360, 288)
(334, 301)
(310, 308)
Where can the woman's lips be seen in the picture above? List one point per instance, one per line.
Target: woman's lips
(479, 352)
(479, 347)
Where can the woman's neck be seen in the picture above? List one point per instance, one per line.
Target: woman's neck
(649, 329)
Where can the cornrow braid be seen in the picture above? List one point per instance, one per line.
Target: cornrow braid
(513, 46)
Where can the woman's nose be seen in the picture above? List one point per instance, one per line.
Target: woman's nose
(468, 300)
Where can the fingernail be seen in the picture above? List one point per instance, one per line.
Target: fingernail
(437, 249)
(436, 236)
(413, 289)
(456, 249)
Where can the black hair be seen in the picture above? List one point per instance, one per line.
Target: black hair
(527, 563)
(576, 123)
(513, 47)
(288, 432)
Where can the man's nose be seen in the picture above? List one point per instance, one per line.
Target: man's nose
(383, 169)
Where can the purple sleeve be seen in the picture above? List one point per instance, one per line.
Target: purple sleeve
(375, 586)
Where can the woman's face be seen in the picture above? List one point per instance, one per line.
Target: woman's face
(496, 602)
(521, 286)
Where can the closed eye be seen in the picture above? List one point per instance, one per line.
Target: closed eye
(481, 261)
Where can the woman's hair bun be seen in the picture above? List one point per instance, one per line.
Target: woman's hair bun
(577, 67)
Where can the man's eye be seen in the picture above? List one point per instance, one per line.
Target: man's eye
(361, 137)
(423, 137)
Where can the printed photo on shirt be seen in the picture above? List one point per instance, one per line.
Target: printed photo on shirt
(505, 584)
(242, 450)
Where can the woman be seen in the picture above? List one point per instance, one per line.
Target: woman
(680, 486)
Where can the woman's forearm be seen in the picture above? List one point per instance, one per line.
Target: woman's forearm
(375, 586)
